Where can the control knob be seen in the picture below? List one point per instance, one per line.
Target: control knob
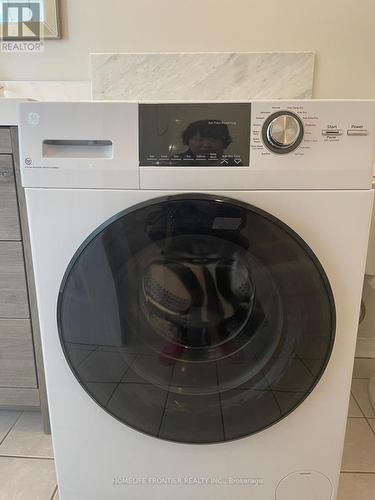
(282, 132)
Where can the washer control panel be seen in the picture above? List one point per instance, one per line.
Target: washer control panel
(230, 134)
(323, 130)
(208, 145)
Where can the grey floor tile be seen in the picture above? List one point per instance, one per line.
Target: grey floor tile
(356, 487)
(359, 449)
(364, 368)
(360, 393)
(7, 419)
(354, 409)
(26, 479)
(27, 438)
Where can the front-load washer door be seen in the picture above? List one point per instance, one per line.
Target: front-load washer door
(196, 318)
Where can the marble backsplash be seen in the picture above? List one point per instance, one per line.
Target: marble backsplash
(196, 76)
(47, 90)
(203, 76)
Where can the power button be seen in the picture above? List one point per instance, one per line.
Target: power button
(357, 131)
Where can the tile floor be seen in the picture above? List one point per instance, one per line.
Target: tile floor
(358, 464)
(27, 468)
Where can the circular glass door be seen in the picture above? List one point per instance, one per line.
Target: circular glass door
(196, 319)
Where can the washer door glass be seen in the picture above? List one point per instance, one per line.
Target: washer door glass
(196, 319)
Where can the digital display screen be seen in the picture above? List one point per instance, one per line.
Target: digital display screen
(216, 134)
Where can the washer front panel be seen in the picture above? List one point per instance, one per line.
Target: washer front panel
(197, 319)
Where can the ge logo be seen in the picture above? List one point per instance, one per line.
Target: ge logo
(33, 119)
(28, 161)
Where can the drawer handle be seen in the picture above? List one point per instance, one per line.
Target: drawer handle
(77, 149)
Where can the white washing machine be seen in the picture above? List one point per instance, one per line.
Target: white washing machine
(198, 271)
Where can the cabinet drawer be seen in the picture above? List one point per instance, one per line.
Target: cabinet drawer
(13, 293)
(5, 143)
(9, 219)
(17, 366)
(15, 398)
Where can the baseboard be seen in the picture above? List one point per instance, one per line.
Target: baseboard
(365, 348)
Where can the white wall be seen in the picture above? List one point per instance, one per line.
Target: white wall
(342, 32)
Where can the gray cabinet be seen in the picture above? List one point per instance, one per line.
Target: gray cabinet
(17, 363)
(9, 218)
(13, 291)
(5, 140)
(22, 382)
